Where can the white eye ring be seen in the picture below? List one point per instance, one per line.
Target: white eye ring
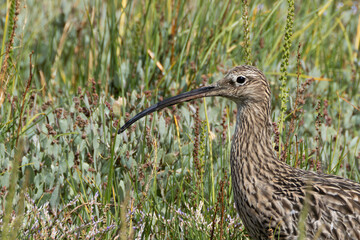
(241, 80)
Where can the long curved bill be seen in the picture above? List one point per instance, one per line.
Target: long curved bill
(183, 97)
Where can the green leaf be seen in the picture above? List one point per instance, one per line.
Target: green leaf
(63, 123)
(54, 200)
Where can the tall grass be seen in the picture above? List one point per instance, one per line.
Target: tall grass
(96, 64)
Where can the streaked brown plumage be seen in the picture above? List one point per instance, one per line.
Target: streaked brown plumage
(270, 195)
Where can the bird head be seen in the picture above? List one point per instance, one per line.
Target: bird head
(245, 85)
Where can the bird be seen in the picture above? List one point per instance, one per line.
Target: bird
(273, 199)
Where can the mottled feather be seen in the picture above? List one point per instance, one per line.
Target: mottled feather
(270, 196)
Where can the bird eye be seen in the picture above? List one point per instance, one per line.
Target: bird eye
(241, 80)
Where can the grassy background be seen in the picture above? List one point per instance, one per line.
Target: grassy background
(66, 173)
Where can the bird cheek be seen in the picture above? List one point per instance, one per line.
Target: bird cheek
(242, 93)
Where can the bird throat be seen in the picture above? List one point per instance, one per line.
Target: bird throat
(252, 137)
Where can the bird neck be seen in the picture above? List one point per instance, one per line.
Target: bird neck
(252, 138)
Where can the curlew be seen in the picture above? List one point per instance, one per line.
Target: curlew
(271, 196)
